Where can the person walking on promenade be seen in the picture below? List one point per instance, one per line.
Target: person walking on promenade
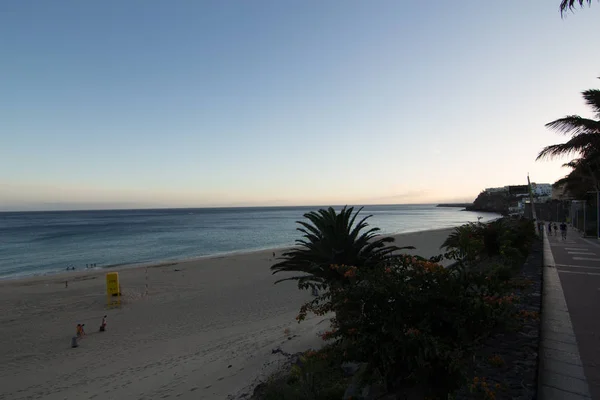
(549, 228)
(563, 231)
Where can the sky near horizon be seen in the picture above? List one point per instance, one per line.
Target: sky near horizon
(124, 104)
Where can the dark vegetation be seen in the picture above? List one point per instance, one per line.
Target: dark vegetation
(401, 326)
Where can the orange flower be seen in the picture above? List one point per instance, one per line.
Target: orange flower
(412, 332)
(350, 273)
(327, 335)
(496, 360)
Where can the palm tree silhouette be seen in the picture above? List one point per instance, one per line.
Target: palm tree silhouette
(332, 238)
(585, 132)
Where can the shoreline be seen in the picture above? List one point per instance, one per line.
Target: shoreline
(211, 328)
(79, 273)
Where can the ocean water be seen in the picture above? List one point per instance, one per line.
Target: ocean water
(37, 243)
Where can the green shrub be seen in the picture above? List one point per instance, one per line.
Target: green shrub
(413, 322)
(317, 376)
(507, 238)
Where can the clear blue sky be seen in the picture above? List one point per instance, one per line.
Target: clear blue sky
(207, 103)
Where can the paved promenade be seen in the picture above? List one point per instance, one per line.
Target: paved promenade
(570, 352)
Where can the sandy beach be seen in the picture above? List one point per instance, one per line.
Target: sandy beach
(206, 329)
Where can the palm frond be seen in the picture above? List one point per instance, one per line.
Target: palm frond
(460, 235)
(584, 175)
(301, 279)
(592, 99)
(334, 238)
(583, 143)
(570, 164)
(584, 132)
(569, 5)
(574, 125)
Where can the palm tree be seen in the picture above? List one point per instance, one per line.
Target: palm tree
(566, 5)
(585, 132)
(572, 184)
(473, 241)
(334, 239)
(583, 178)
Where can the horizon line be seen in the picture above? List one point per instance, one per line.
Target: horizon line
(226, 207)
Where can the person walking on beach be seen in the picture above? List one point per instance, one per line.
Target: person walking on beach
(103, 325)
(80, 331)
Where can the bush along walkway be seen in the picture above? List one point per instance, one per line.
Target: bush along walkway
(407, 328)
(506, 366)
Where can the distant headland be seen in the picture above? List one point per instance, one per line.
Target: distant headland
(455, 205)
(506, 199)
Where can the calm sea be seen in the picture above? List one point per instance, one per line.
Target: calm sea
(36, 243)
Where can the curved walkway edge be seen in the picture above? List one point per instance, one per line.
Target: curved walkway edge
(560, 374)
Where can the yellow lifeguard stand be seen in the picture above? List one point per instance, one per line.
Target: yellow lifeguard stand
(113, 289)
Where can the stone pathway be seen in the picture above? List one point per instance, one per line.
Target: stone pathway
(570, 349)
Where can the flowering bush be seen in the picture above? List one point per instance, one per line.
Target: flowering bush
(412, 320)
(524, 314)
(496, 360)
(485, 391)
(520, 283)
